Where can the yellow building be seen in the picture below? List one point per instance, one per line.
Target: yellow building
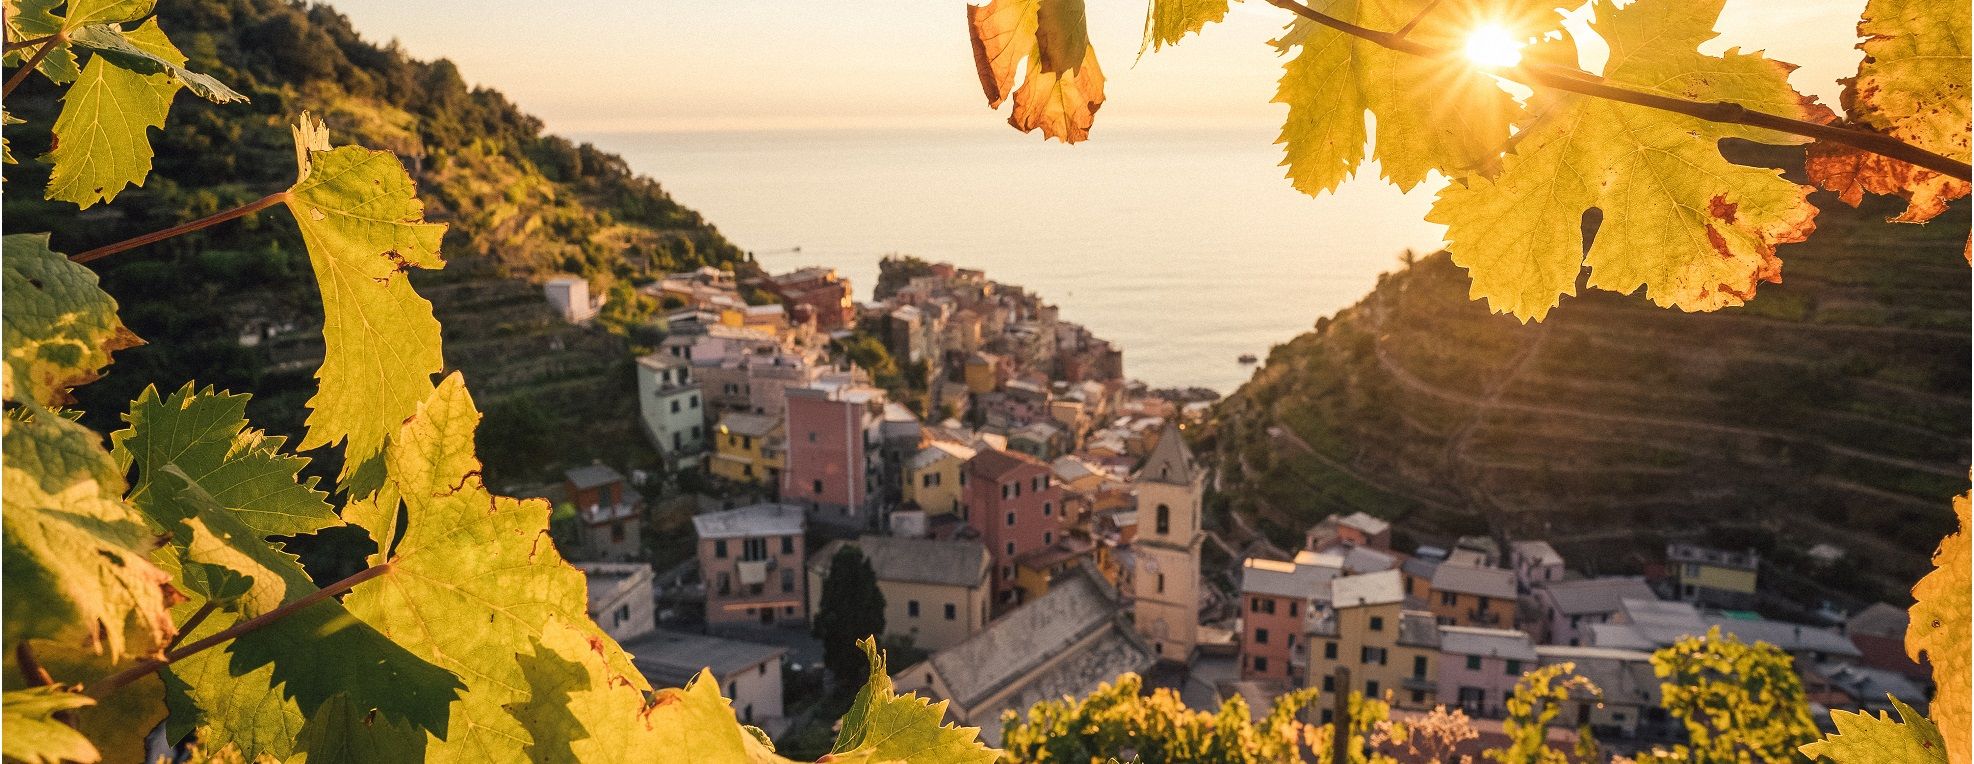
(983, 374)
(1713, 577)
(936, 593)
(747, 449)
(1391, 652)
(1037, 571)
(935, 477)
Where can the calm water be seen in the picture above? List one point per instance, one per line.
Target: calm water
(1186, 248)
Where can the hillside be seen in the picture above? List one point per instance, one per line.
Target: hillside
(1833, 408)
(522, 205)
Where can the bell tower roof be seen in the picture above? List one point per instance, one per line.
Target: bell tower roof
(1170, 461)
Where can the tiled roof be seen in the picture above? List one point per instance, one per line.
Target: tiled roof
(1011, 651)
(592, 475)
(1486, 582)
(1170, 460)
(995, 464)
(925, 561)
(670, 658)
(1285, 579)
(754, 425)
(755, 520)
(1595, 595)
(1380, 588)
(1496, 643)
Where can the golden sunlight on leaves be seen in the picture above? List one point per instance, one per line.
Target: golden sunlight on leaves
(1939, 631)
(1049, 41)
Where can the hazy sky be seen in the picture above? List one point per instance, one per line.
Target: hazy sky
(604, 65)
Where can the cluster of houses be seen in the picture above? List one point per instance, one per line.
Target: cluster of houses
(1459, 627)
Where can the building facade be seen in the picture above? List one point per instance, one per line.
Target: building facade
(936, 593)
(831, 432)
(752, 561)
(1166, 585)
(1388, 649)
(610, 513)
(747, 448)
(1478, 668)
(934, 478)
(1471, 595)
(669, 400)
(1713, 577)
(1015, 505)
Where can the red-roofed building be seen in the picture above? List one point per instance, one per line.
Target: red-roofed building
(1015, 505)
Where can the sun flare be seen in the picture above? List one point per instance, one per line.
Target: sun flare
(1491, 45)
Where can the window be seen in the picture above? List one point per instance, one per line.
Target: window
(1473, 663)
(1017, 488)
(1007, 571)
(1005, 492)
(753, 549)
(1418, 667)
(812, 436)
(1418, 697)
(1010, 519)
(817, 485)
(1293, 607)
(911, 608)
(695, 431)
(678, 440)
(1483, 605)
(1329, 685)
(1254, 604)
(787, 580)
(925, 480)
(1161, 583)
(1261, 636)
(720, 549)
(1268, 606)
(1371, 656)
(623, 614)
(675, 407)
(1377, 623)
(747, 442)
(616, 533)
(693, 401)
(952, 612)
(1010, 554)
(1370, 689)
(1048, 508)
(1514, 668)
(1329, 653)
(1449, 599)
(1048, 537)
(1260, 663)
(788, 545)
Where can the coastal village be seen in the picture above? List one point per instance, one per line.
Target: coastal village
(1037, 525)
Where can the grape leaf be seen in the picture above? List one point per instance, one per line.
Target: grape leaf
(7, 149)
(1048, 40)
(76, 555)
(1433, 113)
(364, 228)
(35, 736)
(1167, 21)
(116, 725)
(205, 434)
(1863, 737)
(85, 12)
(102, 136)
(904, 727)
(35, 19)
(1697, 231)
(475, 578)
(60, 328)
(182, 444)
(1913, 85)
(110, 42)
(1939, 631)
(578, 709)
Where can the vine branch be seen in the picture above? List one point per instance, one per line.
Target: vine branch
(1584, 83)
(15, 45)
(182, 228)
(47, 45)
(109, 684)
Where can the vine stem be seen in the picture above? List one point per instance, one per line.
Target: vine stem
(1584, 83)
(111, 683)
(27, 43)
(182, 228)
(32, 673)
(48, 45)
(191, 624)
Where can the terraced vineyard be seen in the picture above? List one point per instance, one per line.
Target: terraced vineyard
(1832, 409)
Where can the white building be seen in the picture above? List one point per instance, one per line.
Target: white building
(670, 403)
(571, 298)
(749, 674)
(620, 598)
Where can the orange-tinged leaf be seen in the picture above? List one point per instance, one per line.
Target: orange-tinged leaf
(1854, 172)
(1939, 630)
(1045, 45)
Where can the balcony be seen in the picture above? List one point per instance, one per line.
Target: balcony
(1419, 683)
(1320, 622)
(1488, 618)
(755, 572)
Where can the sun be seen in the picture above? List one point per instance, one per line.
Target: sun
(1493, 46)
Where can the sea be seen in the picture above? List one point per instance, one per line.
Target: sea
(1183, 246)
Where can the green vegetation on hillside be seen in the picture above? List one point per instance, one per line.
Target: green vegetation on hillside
(521, 204)
(1832, 409)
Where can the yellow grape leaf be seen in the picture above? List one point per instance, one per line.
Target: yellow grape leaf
(1697, 231)
(1166, 21)
(365, 229)
(33, 19)
(1862, 738)
(77, 555)
(579, 709)
(59, 327)
(35, 735)
(1938, 632)
(473, 581)
(1047, 44)
(102, 136)
(890, 726)
(1914, 86)
(1432, 113)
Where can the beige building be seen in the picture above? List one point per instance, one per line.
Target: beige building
(1166, 549)
(620, 598)
(751, 560)
(935, 477)
(936, 593)
(1391, 651)
(749, 673)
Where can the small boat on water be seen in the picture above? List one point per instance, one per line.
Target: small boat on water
(1248, 358)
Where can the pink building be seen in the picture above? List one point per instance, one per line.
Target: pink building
(1277, 599)
(1536, 563)
(1478, 668)
(751, 559)
(1015, 504)
(831, 432)
(1569, 608)
(815, 293)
